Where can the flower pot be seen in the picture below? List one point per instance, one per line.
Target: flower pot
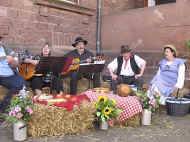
(146, 117)
(177, 106)
(19, 131)
(103, 125)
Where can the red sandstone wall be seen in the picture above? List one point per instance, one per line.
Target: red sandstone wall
(27, 25)
(147, 30)
(24, 24)
(114, 6)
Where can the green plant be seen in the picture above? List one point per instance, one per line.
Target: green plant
(20, 108)
(146, 102)
(188, 43)
(106, 108)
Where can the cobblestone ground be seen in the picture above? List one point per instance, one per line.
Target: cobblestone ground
(164, 128)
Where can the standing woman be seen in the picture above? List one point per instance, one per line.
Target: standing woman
(39, 81)
(170, 75)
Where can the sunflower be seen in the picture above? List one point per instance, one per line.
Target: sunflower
(107, 111)
(102, 98)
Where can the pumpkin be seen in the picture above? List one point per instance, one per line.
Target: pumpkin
(123, 90)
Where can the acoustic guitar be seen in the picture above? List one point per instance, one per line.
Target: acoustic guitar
(73, 64)
(26, 70)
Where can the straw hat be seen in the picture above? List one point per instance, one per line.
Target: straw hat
(172, 47)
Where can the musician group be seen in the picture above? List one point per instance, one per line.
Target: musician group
(127, 68)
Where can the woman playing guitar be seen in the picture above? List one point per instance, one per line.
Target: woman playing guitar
(40, 80)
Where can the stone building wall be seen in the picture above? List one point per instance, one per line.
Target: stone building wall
(26, 24)
(30, 23)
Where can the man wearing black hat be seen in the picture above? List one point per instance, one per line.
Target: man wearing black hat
(127, 68)
(84, 55)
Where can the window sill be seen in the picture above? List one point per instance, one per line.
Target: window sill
(63, 5)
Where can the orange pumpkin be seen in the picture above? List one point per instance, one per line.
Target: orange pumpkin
(123, 90)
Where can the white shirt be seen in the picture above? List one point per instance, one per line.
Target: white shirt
(126, 70)
(5, 70)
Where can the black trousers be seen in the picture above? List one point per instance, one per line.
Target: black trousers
(56, 83)
(75, 76)
(130, 80)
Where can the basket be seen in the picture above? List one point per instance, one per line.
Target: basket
(188, 97)
(177, 106)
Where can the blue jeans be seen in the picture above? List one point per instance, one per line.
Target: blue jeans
(13, 83)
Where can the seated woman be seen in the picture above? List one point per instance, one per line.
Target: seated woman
(170, 75)
(39, 81)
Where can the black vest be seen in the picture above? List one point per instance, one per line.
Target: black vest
(134, 65)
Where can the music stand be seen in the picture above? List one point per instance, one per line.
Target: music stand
(91, 68)
(50, 64)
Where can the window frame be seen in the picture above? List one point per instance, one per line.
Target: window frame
(71, 1)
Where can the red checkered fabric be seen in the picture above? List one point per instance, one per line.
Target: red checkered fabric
(130, 105)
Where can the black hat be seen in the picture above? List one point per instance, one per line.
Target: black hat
(79, 39)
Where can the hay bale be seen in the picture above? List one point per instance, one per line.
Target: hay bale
(54, 121)
(83, 85)
(101, 90)
(3, 92)
(105, 84)
(134, 121)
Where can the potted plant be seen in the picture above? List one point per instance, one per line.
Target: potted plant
(105, 111)
(148, 105)
(19, 113)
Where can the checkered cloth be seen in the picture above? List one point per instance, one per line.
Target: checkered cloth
(130, 105)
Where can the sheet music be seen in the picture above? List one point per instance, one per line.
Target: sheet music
(95, 63)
